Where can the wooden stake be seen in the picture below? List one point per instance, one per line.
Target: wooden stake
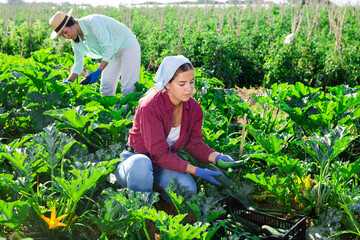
(243, 135)
(242, 143)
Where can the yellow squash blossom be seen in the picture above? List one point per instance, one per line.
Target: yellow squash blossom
(307, 180)
(53, 221)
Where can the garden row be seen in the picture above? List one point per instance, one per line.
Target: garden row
(315, 44)
(60, 144)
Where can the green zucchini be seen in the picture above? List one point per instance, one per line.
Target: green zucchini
(250, 227)
(85, 80)
(231, 186)
(269, 231)
(234, 226)
(224, 180)
(226, 165)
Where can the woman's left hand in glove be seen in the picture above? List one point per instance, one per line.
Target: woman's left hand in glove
(224, 158)
(92, 77)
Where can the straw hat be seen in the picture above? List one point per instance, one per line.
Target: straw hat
(58, 22)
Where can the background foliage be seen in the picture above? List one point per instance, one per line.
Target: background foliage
(241, 45)
(60, 143)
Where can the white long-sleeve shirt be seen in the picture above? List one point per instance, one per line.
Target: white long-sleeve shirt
(103, 37)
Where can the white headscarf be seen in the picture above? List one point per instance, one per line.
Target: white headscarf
(167, 69)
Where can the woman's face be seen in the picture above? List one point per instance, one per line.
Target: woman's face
(181, 87)
(69, 32)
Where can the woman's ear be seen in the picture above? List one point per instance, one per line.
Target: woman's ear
(167, 86)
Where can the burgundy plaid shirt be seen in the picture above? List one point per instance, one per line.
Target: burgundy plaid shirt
(152, 124)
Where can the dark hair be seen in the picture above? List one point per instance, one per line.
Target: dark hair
(71, 22)
(183, 68)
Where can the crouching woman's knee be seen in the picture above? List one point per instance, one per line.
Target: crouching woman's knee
(188, 182)
(136, 173)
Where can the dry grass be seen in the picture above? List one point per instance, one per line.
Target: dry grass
(246, 93)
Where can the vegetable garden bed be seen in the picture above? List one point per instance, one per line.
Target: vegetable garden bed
(257, 223)
(60, 143)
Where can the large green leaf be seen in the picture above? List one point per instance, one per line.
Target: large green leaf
(285, 164)
(17, 158)
(75, 118)
(327, 225)
(43, 56)
(272, 144)
(12, 214)
(205, 208)
(117, 129)
(107, 101)
(83, 180)
(3, 118)
(346, 172)
(15, 146)
(172, 227)
(276, 185)
(124, 208)
(326, 145)
(21, 185)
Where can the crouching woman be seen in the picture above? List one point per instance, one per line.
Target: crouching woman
(167, 120)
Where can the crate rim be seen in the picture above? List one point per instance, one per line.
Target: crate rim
(297, 221)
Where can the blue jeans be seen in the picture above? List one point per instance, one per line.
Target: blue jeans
(135, 172)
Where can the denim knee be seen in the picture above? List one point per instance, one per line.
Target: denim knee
(191, 187)
(163, 177)
(136, 173)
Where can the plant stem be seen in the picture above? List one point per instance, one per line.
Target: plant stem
(242, 142)
(145, 231)
(52, 178)
(83, 137)
(243, 135)
(91, 197)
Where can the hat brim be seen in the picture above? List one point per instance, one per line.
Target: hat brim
(55, 34)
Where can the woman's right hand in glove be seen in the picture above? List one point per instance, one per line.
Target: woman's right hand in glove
(208, 175)
(67, 81)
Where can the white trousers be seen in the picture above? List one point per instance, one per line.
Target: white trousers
(127, 65)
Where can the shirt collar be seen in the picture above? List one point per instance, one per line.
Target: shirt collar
(83, 27)
(168, 104)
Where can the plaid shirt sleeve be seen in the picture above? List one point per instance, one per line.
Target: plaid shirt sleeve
(154, 136)
(196, 146)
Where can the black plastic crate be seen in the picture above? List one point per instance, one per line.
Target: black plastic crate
(295, 226)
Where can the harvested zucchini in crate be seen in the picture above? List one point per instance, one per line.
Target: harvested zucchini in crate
(269, 231)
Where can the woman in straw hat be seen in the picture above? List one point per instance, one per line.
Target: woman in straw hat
(101, 37)
(167, 120)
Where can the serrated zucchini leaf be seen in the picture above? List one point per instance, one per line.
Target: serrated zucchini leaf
(12, 214)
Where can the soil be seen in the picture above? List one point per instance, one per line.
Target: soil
(245, 93)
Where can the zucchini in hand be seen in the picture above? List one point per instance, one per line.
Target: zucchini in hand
(231, 186)
(235, 164)
(85, 81)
